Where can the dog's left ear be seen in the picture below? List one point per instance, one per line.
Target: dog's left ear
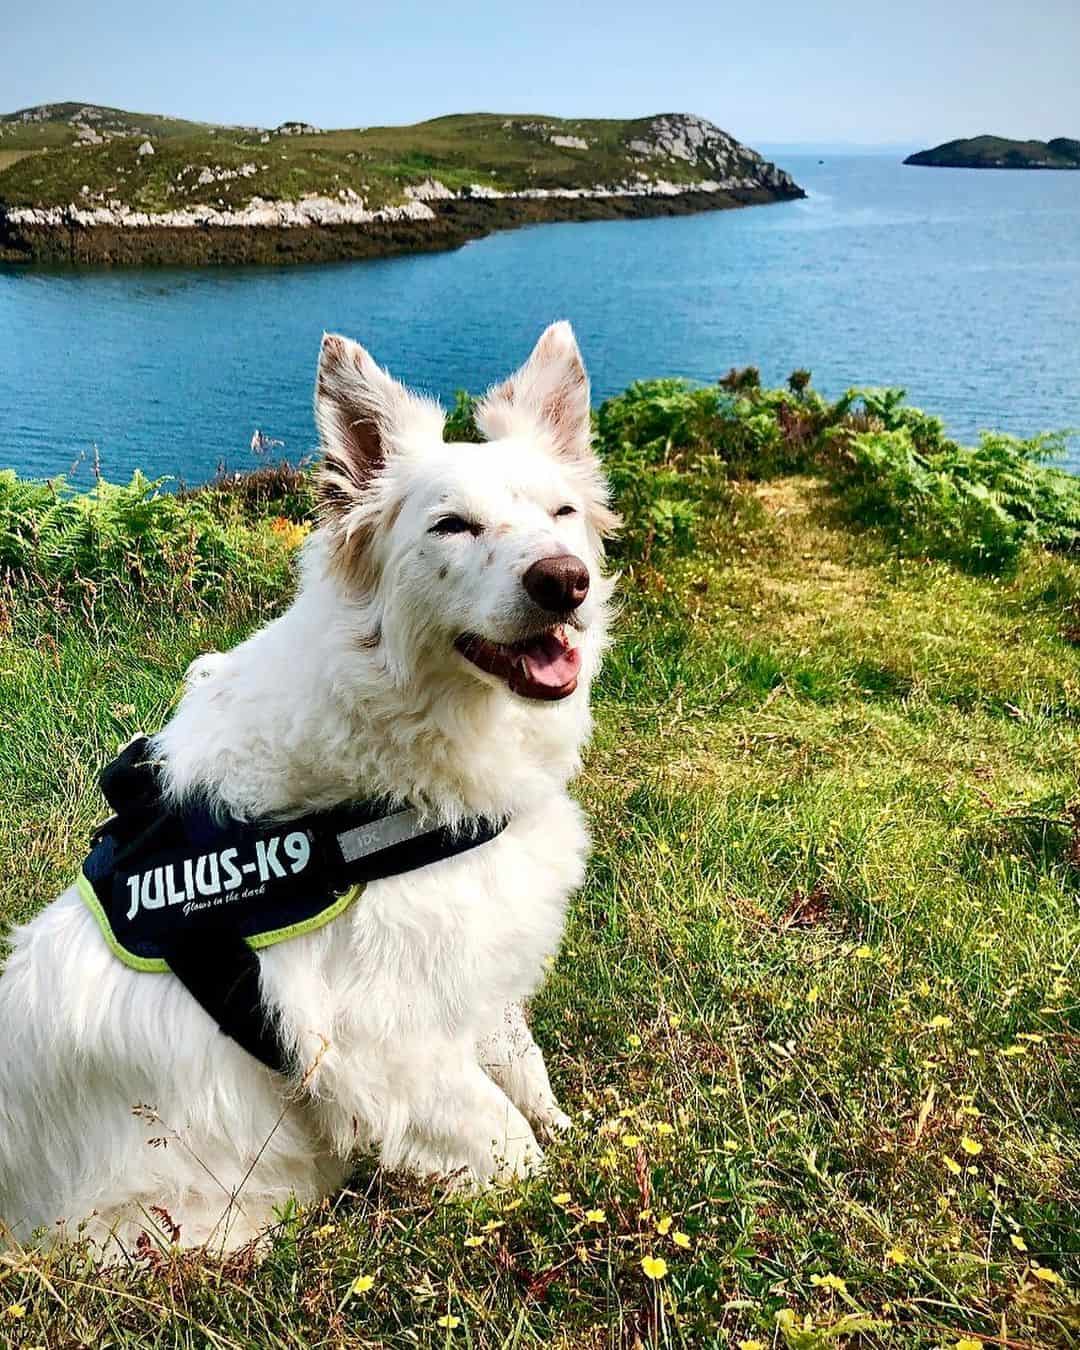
(549, 393)
(363, 415)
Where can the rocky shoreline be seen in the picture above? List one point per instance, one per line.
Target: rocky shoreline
(323, 229)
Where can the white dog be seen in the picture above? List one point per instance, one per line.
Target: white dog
(450, 617)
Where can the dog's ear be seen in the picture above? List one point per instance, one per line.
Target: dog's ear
(363, 414)
(550, 393)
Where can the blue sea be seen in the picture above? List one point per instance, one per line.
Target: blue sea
(961, 286)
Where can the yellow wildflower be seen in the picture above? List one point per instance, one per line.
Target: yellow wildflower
(655, 1267)
(1018, 1242)
(630, 1140)
(751, 1345)
(477, 1240)
(940, 1022)
(674, 1021)
(971, 1146)
(680, 1240)
(663, 1226)
(363, 1283)
(829, 1282)
(596, 1216)
(897, 1256)
(563, 1198)
(1046, 1275)
(953, 1166)
(15, 1310)
(609, 1159)
(863, 953)
(449, 1322)
(634, 1042)
(968, 1343)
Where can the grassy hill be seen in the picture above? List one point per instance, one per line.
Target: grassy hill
(58, 124)
(996, 152)
(90, 156)
(817, 1014)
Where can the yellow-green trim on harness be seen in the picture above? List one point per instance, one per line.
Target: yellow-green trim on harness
(157, 966)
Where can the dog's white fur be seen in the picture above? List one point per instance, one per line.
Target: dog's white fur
(406, 1009)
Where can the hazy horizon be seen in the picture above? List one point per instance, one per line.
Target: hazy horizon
(774, 76)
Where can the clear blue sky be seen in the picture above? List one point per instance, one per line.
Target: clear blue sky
(782, 70)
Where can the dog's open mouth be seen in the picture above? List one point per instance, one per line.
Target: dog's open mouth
(544, 666)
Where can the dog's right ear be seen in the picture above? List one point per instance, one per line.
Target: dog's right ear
(363, 415)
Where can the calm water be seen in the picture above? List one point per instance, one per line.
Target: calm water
(964, 287)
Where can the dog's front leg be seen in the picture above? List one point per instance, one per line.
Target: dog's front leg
(427, 1108)
(511, 1057)
(459, 1123)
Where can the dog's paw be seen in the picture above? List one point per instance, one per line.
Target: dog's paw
(461, 1183)
(552, 1122)
(518, 1158)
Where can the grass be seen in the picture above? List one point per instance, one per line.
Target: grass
(10, 157)
(377, 163)
(816, 1015)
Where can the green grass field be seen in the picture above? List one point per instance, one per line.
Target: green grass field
(816, 1016)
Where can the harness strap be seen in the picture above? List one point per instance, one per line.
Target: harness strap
(224, 979)
(183, 892)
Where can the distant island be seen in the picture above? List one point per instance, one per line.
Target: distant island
(85, 183)
(995, 152)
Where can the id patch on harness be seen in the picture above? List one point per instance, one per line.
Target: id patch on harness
(194, 877)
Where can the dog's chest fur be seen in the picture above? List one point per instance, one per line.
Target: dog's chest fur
(463, 937)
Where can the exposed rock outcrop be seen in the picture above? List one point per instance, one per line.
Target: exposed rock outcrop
(696, 141)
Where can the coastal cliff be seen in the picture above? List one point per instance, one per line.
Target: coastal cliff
(85, 184)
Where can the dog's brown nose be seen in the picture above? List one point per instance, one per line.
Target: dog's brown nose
(558, 584)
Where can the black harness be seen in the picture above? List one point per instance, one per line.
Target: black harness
(187, 892)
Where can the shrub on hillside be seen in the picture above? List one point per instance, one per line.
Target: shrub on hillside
(975, 506)
(669, 449)
(461, 419)
(132, 536)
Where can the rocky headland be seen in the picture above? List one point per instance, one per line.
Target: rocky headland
(84, 184)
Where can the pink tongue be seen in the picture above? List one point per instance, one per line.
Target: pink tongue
(551, 662)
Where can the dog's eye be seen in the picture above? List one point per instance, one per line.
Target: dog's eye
(567, 510)
(454, 525)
